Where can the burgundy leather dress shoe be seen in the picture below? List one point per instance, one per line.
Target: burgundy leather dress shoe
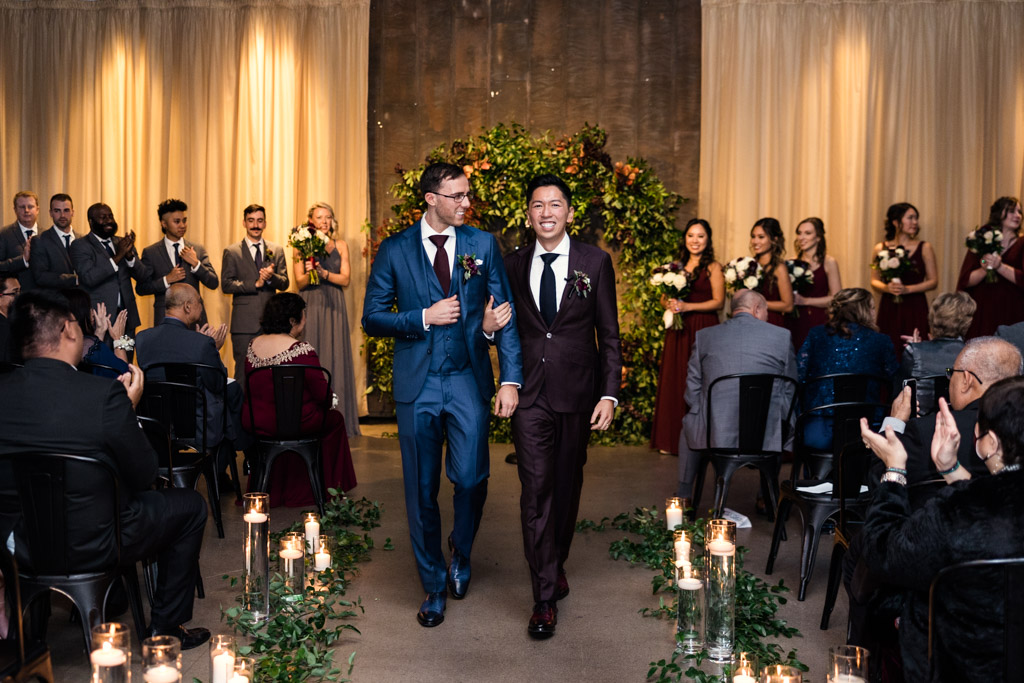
(562, 586)
(542, 623)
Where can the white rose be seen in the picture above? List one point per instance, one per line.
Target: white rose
(302, 234)
(479, 261)
(798, 271)
(657, 278)
(667, 319)
(893, 263)
(750, 282)
(323, 237)
(988, 237)
(679, 280)
(730, 275)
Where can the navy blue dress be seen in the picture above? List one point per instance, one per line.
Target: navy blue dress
(101, 354)
(864, 352)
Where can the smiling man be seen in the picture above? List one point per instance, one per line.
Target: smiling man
(572, 365)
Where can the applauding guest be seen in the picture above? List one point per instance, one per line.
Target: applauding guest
(16, 239)
(812, 302)
(96, 325)
(768, 246)
(699, 309)
(51, 253)
(996, 279)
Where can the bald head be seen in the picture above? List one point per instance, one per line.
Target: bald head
(983, 362)
(749, 301)
(182, 302)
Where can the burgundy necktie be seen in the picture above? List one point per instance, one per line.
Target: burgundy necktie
(441, 267)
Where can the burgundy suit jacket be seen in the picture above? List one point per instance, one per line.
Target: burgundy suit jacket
(577, 360)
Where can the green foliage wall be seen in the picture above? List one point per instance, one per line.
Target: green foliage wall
(622, 204)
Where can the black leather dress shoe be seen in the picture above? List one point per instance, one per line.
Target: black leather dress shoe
(432, 610)
(189, 637)
(542, 623)
(458, 572)
(562, 586)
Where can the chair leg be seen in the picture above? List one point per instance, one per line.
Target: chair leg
(233, 471)
(213, 491)
(316, 480)
(777, 530)
(835, 574)
(131, 585)
(89, 600)
(813, 521)
(721, 493)
(698, 485)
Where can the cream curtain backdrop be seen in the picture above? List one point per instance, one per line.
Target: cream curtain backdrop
(218, 103)
(838, 109)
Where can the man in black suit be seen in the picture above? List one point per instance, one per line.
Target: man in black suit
(10, 288)
(174, 259)
(16, 239)
(106, 265)
(51, 264)
(569, 332)
(96, 418)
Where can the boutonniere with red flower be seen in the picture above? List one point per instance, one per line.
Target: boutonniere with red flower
(470, 265)
(580, 283)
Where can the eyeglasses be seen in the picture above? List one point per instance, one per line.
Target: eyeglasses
(950, 371)
(13, 292)
(458, 197)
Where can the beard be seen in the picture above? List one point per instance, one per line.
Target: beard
(104, 230)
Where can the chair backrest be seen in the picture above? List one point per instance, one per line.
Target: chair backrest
(1000, 578)
(99, 369)
(159, 439)
(289, 383)
(175, 406)
(209, 383)
(70, 522)
(756, 392)
(851, 387)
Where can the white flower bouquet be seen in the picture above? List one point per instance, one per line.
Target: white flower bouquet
(310, 243)
(742, 273)
(891, 264)
(985, 241)
(674, 283)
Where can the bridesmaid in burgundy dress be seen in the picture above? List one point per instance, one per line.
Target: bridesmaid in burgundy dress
(1000, 302)
(699, 310)
(283, 322)
(768, 246)
(911, 314)
(812, 304)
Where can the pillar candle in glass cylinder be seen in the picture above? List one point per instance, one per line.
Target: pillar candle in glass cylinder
(256, 580)
(292, 553)
(111, 656)
(311, 524)
(776, 673)
(673, 512)
(322, 559)
(690, 617)
(744, 668)
(222, 658)
(847, 664)
(681, 545)
(161, 660)
(720, 565)
(245, 671)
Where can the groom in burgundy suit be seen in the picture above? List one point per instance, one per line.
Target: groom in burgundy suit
(569, 332)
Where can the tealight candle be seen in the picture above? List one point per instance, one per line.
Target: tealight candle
(673, 512)
(720, 546)
(255, 517)
(312, 527)
(686, 581)
(162, 673)
(108, 655)
(681, 546)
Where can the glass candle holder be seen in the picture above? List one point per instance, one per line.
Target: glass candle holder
(111, 655)
(776, 673)
(720, 564)
(161, 660)
(673, 512)
(744, 668)
(681, 545)
(256, 579)
(690, 618)
(245, 670)
(222, 658)
(292, 553)
(322, 557)
(847, 664)
(311, 524)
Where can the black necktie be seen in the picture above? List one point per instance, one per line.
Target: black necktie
(29, 234)
(67, 241)
(110, 249)
(441, 267)
(548, 309)
(258, 258)
(177, 254)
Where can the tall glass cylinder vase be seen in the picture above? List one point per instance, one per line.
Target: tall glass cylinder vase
(720, 565)
(256, 578)
(690, 619)
(292, 554)
(111, 655)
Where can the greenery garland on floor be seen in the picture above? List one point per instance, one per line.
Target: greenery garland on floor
(622, 203)
(757, 602)
(297, 643)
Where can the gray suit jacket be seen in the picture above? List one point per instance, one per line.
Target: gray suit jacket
(97, 276)
(238, 278)
(12, 246)
(156, 260)
(741, 344)
(50, 262)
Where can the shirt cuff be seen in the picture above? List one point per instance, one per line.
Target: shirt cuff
(517, 385)
(615, 401)
(426, 327)
(489, 336)
(897, 425)
(166, 285)
(130, 263)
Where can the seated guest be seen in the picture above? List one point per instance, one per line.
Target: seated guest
(1013, 334)
(9, 289)
(848, 342)
(284, 319)
(969, 520)
(95, 325)
(948, 319)
(95, 417)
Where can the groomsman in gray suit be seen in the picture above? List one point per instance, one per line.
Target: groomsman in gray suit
(16, 239)
(174, 259)
(744, 343)
(51, 264)
(252, 271)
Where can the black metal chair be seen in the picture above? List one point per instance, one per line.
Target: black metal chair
(1003, 576)
(756, 393)
(99, 369)
(43, 481)
(21, 660)
(289, 383)
(816, 508)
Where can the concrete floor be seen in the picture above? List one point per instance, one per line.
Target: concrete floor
(600, 635)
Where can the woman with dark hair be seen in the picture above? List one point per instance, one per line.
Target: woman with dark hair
(974, 519)
(768, 246)
(699, 310)
(96, 325)
(812, 303)
(1000, 302)
(283, 322)
(899, 317)
(848, 342)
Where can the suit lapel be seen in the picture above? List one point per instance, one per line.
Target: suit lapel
(165, 260)
(416, 262)
(524, 265)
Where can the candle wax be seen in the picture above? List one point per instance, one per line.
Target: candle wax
(673, 517)
(161, 674)
(720, 546)
(743, 678)
(844, 678)
(322, 561)
(690, 584)
(312, 534)
(682, 550)
(223, 667)
(255, 517)
(108, 655)
(290, 554)
(239, 678)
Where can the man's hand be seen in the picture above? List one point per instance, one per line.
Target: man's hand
(189, 256)
(604, 413)
(946, 439)
(911, 338)
(125, 247)
(218, 334)
(444, 312)
(496, 317)
(133, 384)
(506, 401)
(27, 250)
(177, 274)
(901, 405)
(888, 448)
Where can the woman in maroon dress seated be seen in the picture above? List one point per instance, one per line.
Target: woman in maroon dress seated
(1000, 302)
(768, 246)
(284, 319)
(699, 310)
(812, 302)
(910, 313)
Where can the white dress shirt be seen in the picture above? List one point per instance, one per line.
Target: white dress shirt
(426, 232)
(169, 246)
(560, 266)
(61, 235)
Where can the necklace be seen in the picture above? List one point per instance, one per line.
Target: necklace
(1009, 468)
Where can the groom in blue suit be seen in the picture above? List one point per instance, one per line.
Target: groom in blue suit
(444, 278)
